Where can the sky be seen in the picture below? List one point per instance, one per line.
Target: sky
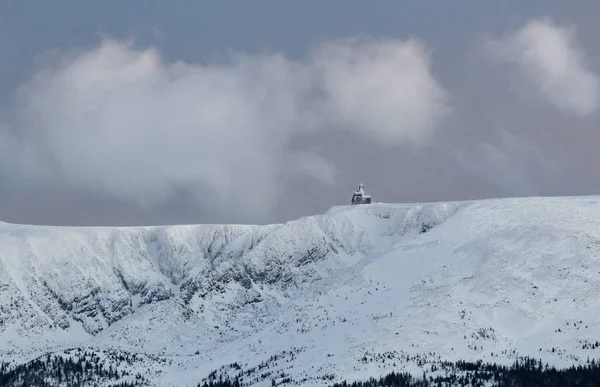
(147, 112)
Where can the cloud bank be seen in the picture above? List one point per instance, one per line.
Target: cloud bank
(240, 137)
(123, 121)
(549, 56)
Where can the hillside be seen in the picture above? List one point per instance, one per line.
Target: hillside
(356, 292)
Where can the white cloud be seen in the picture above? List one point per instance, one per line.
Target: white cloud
(125, 122)
(550, 56)
(382, 89)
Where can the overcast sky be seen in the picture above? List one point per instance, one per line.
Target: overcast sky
(162, 112)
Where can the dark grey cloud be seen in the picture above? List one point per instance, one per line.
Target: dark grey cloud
(127, 131)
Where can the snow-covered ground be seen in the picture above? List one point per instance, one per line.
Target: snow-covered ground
(342, 295)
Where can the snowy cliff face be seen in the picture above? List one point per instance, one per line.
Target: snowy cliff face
(58, 276)
(328, 293)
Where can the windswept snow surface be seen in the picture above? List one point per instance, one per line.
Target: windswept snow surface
(321, 296)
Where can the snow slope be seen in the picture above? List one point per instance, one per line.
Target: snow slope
(342, 295)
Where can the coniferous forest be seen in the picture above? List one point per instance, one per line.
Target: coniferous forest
(526, 372)
(53, 370)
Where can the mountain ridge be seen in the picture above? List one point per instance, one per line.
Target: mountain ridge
(354, 280)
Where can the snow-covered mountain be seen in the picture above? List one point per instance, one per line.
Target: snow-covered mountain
(358, 291)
